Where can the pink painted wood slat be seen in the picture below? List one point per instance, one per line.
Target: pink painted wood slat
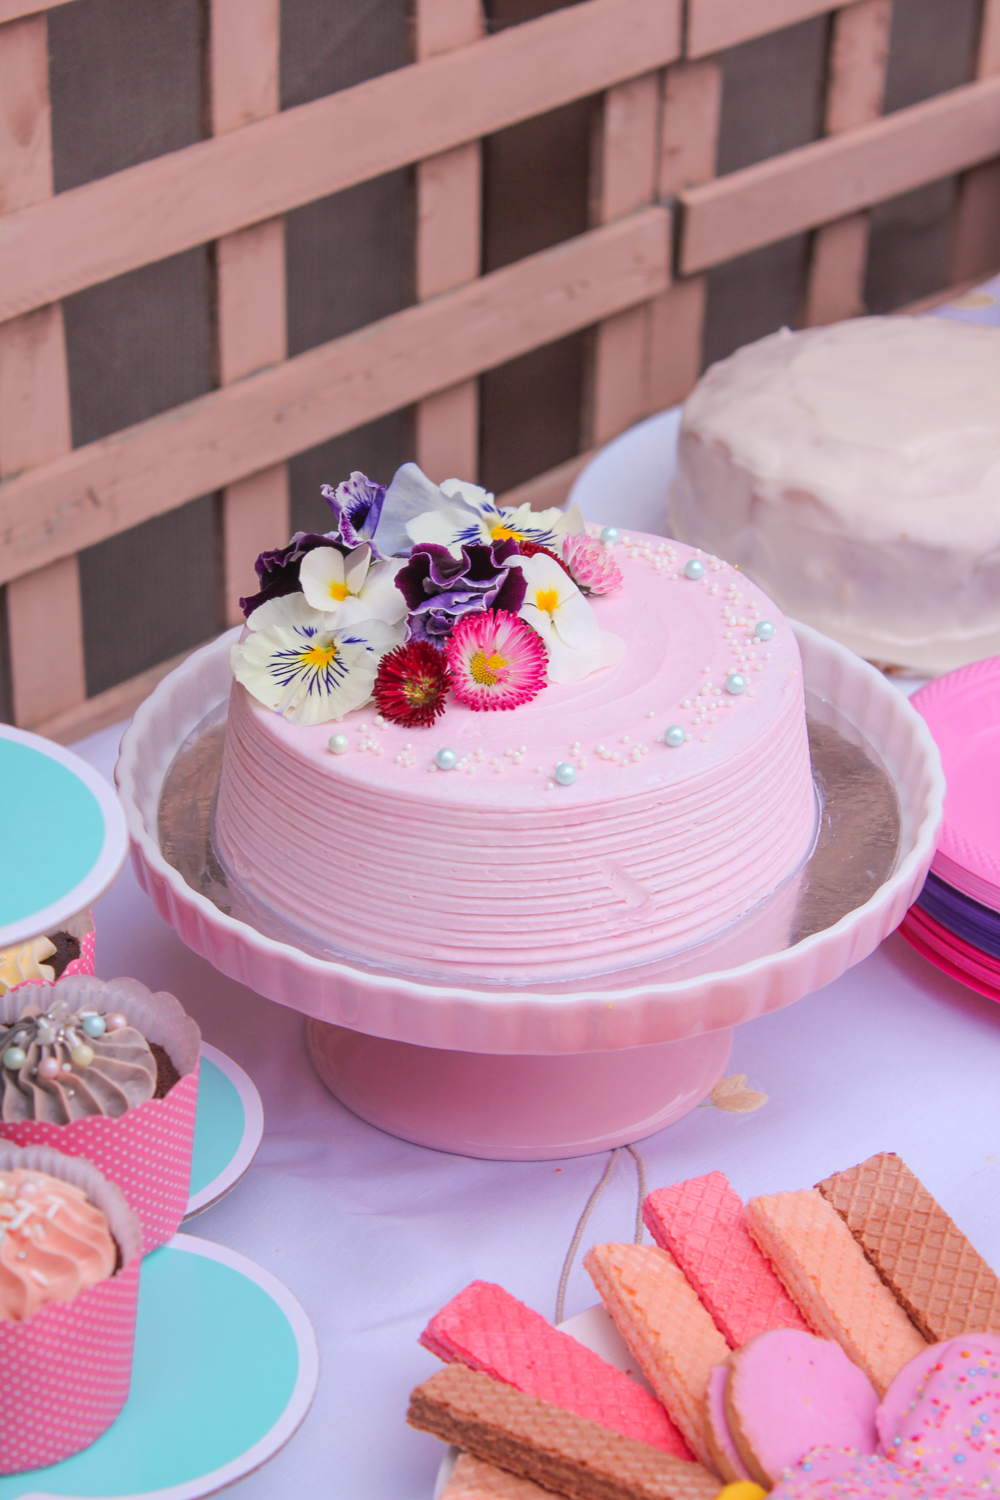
(448, 249)
(716, 24)
(43, 606)
(214, 187)
(13, 10)
(99, 490)
(823, 181)
(975, 239)
(245, 42)
(855, 88)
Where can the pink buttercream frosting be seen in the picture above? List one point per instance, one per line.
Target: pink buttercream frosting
(495, 870)
(53, 1243)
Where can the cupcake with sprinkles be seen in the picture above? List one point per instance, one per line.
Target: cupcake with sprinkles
(108, 1072)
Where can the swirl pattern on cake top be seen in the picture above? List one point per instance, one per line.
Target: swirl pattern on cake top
(53, 1243)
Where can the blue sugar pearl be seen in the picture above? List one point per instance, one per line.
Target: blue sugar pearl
(694, 568)
(445, 760)
(674, 736)
(565, 773)
(763, 630)
(735, 682)
(610, 535)
(94, 1025)
(960, 1458)
(14, 1058)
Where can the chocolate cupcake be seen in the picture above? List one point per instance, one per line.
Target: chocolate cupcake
(43, 960)
(109, 1072)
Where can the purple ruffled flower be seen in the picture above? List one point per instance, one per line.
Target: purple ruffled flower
(440, 588)
(357, 505)
(278, 570)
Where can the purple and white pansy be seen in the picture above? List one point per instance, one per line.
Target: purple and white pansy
(406, 564)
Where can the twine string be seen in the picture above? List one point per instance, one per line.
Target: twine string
(591, 1204)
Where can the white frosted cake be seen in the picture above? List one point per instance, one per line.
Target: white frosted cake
(650, 785)
(854, 473)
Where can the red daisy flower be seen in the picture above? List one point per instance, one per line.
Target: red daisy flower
(496, 660)
(411, 685)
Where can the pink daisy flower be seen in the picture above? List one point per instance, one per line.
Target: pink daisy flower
(496, 660)
(590, 564)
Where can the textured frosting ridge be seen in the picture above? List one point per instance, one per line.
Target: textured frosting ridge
(852, 471)
(494, 870)
(53, 1242)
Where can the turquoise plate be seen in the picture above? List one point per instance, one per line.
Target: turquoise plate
(226, 1367)
(228, 1129)
(63, 837)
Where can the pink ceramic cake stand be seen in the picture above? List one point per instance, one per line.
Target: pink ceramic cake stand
(522, 1074)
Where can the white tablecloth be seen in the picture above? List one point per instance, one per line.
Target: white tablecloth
(373, 1235)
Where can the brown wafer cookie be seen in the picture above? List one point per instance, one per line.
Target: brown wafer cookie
(557, 1449)
(924, 1259)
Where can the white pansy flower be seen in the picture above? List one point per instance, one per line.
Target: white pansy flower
(555, 607)
(306, 664)
(352, 588)
(457, 512)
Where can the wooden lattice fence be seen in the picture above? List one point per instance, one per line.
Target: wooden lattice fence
(661, 220)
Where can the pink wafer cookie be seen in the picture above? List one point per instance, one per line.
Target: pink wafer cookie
(666, 1328)
(473, 1479)
(837, 1288)
(487, 1329)
(703, 1225)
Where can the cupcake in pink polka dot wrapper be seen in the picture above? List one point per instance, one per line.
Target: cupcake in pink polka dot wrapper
(107, 1071)
(69, 1284)
(55, 955)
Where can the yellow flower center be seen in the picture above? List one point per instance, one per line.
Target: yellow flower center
(318, 655)
(338, 591)
(548, 600)
(486, 669)
(500, 533)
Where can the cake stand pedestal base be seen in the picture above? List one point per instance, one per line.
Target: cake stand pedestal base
(514, 1107)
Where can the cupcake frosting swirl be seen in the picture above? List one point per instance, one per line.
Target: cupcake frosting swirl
(62, 1065)
(53, 1243)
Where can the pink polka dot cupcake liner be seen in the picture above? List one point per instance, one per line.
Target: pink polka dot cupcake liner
(67, 1369)
(147, 1150)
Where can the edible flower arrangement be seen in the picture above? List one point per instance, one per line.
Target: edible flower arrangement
(421, 591)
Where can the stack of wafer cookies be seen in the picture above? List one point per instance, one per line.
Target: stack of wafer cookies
(867, 1259)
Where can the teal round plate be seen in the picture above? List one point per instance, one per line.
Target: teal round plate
(228, 1128)
(63, 836)
(226, 1366)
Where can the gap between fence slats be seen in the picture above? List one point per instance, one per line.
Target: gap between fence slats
(716, 24)
(688, 145)
(859, 53)
(96, 491)
(214, 187)
(244, 47)
(43, 607)
(975, 237)
(448, 250)
(830, 178)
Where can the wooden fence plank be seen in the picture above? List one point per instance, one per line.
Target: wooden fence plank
(626, 168)
(214, 187)
(827, 179)
(975, 237)
(448, 250)
(716, 24)
(855, 89)
(13, 10)
(245, 42)
(96, 491)
(43, 607)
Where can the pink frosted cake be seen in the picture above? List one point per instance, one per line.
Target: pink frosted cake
(488, 744)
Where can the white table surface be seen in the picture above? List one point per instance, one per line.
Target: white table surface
(373, 1235)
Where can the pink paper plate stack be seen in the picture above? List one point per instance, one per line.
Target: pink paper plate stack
(955, 921)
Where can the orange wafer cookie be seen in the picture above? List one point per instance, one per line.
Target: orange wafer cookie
(666, 1328)
(555, 1448)
(824, 1269)
(703, 1225)
(919, 1252)
(472, 1479)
